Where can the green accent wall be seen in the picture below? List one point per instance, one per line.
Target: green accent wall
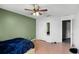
(14, 25)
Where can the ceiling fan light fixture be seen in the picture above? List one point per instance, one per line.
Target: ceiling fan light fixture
(36, 11)
(36, 14)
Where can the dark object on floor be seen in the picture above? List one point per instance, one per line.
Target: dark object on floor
(55, 42)
(15, 46)
(73, 50)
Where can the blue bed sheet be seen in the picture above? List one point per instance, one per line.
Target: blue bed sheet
(15, 46)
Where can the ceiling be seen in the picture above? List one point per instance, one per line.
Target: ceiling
(53, 9)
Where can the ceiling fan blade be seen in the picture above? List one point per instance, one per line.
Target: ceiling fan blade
(36, 10)
(28, 9)
(43, 10)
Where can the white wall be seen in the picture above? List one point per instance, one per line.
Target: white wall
(76, 31)
(55, 29)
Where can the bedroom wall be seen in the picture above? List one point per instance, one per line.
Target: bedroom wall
(14, 25)
(55, 28)
(76, 31)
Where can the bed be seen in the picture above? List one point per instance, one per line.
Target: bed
(31, 51)
(16, 46)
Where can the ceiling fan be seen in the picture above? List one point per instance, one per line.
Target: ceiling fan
(36, 10)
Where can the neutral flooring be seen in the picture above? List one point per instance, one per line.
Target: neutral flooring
(43, 47)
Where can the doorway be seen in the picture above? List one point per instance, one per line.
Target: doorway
(66, 31)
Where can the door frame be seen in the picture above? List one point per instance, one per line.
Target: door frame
(71, 42)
